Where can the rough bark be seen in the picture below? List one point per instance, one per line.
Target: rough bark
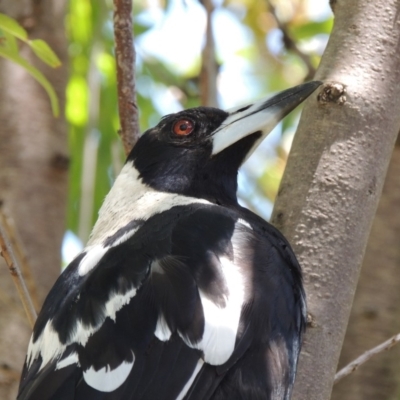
(376, 308)
(33, 173)
(126, 57)
(334, 177)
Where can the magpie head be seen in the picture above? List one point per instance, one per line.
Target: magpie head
(197, 152)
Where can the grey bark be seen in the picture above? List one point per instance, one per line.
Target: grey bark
(375, 313)
(334, 177)
(33, 173)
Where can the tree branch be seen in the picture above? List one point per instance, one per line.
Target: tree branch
(291, 45)
(334, 176)
(15, 270)
(209, 66)
(125, 58)
(16, 244)
(348, 369)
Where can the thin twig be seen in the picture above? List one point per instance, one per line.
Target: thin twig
(291, 45)
(20, 254)
(125, 58)
(15, 271)
(209, 66)
(366, 356)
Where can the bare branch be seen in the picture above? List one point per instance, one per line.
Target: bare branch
(291, 45)
(209, 66)
(125, 58)
(15, 270)
(348, 369)
(20, 254)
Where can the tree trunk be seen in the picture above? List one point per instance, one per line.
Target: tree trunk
(335, 173)
(376, 308)
(33, 173)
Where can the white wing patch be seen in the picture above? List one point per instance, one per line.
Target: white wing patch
(93, 256)
(162, 331)
(221, 323)
(107, 380)
(185, 389)
(117, 301)
(71, 359)
(48, 344)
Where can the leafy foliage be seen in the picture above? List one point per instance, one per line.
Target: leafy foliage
(10, 31)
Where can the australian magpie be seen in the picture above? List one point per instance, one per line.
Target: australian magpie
(180, 293)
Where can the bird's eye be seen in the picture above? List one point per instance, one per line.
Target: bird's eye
(183, 127)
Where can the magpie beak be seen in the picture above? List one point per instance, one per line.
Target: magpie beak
(261, 116)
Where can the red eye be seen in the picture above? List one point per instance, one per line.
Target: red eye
(183, 127)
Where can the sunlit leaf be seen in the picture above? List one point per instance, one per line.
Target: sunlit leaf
(8, 41)
(311, 29)
(77, 101)
(9, 25)
(44, 52)
(36, 74)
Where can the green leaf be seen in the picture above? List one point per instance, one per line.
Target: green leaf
(36, 74)
(311, 29)
(8, 42)
(9, 25)
(44, 52)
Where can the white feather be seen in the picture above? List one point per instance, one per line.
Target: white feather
(185, 389)
(131, 199)
(221, 323)
(91, 259)
(48, 344)
(117, 301)
(162, 331)
(107, 380)
(71, 359)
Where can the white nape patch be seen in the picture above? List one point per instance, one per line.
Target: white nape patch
(131, 199)
(106, 380)
(71, 359)
(117, 301)
(240, 124)
(93, 256)
(221, 323)
(162, 331)
(188, 384)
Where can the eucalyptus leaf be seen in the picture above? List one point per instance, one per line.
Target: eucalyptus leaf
(44, 52)
(6, 53)
(9, 42)
(10, 25)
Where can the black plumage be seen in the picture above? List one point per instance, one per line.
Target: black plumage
(181, 293)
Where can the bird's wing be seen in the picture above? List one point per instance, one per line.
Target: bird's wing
(165, 309)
